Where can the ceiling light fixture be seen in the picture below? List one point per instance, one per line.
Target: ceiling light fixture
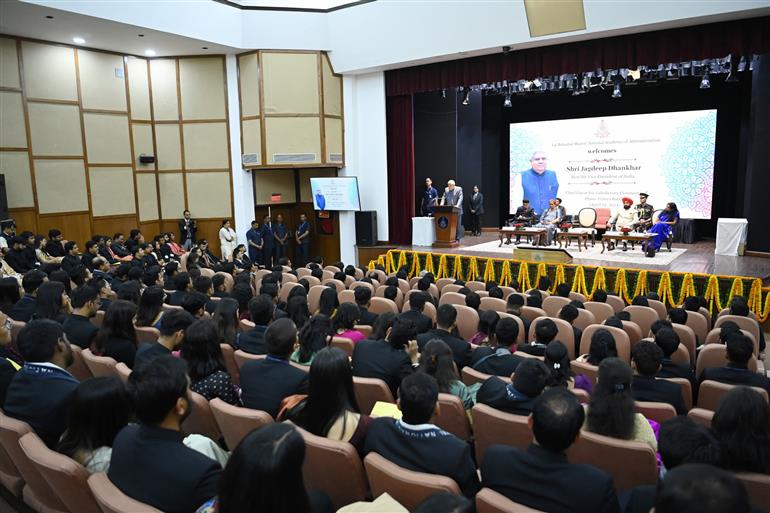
(466, 96)
(616, 93)
(78, 40)
(705, 83)
(507, 102)
(150, 53)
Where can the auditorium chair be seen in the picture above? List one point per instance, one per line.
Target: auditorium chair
(566, 335)
(726, 311)
(16, 327)
(67, 478)
(370, 390)
(622, 342)
(303, 271)
(79, 369)
(355, 284)
(713, 338)
(616, 302)
(314, 296)
(10, 477)
(208, 273)
(701, 416)
(659, 307)
(343, 343)
(380, 292)
(492, 426)
(98, 318)
(715, 355)
(450, 287)
(381, 305)
(429, 309)
(432, 290)
(287, 277)
(228, 356)
(475, 286)
(553, 305)
(112, 500)
(201, 420)
(507, 291)
(710, 393)
(407, 487)
(629, 462)
(451, 298)
(146, 334)
(758, 488)
(698, 324)
(283, 294)
(585, 368)
(744, 323)
(521, 337)
(452, 417)
(332, 269)
(381, 274)
(364, 328)
(707, 315)
(403, 286)
(531, 313)
(584, 319)
(489, 501)
(644, 316)
(442, 282)
(681, 355)
(229, 282)
(687, 338)
(183, 262)
(325, 461)
(659, 412)
(686, 388)
(123, 371)
(337, 284)
(312, 280)
(170, 308)
(235, 422)
(37, 493)
(467, 321)
(601, 311)
(99, 365)
(633, 331)
(470, 376)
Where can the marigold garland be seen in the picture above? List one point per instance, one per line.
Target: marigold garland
(473, 270)
(523, 278)
(489, 270)
(457, 270)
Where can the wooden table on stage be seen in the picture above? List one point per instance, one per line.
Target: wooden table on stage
(578, 236)
(633, 238)
(506, 232)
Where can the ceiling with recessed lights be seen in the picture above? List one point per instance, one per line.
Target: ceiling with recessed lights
(297, 4)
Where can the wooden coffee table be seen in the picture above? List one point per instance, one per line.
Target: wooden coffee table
(507, 232)
(633, 238)
(566, 237)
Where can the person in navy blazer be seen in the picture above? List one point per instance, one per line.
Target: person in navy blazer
(23, 309)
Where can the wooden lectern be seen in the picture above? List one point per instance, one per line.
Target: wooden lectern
(446, 225)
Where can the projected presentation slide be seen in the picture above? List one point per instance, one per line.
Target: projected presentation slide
(594, 162)
(335, 193)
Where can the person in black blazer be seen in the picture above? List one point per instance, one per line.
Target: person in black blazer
(476, 208)
(187, 228)
(363, 300)
(646, 360)
(182, 286)
(78, 326)
(446, 321)
(540, 477)
(150, 462)
(416, 304)
(668, 341)
(390, 360)
(500, 361)
(519, 396)
(415, 444)
(39, 393)
(264, 383)
(23, 309)
(261, 311)
(739, 352)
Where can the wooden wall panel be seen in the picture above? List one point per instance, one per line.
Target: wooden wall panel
(102, 80)
(138, 88)
(274, 181)
(168, 143)
(332, 86)
(209, 229)
(205, 146)
(291, 136)
(74, 225)
(208, 194)
(13, 132)
(60, 186)
(151, 227)
(26, 219)
(248, 76)
(112, 191)
(147, 190)
(107, 138)
(49, 71)
(334, 137)
(18, 180)
(142, 134)
(55, 130)
(9, 65)
(290, 83)
(164, 97)
(116, 224)
(172, 202)
(252, 137)
(201, 82)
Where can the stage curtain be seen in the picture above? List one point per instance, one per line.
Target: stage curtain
(714, 40)
(401, 196)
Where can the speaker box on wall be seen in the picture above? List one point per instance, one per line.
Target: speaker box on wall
(366, 228)
(3, 199)
(146, 159)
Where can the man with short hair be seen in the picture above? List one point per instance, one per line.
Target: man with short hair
(281, 236)
(429, 198)
(701, 488)
(519, 396)
(473, 300)
(187, 228)
(390, 360)
(23, 309)
(739, 306)
(39, 393)
(150, 462)
(540, 477)
(545, 332)
(182, 286)
(421, 321)
(268, 239)
(563, 290)
(569, 313)
(55, 248)
(446, 322)
(71, 257)
(513, 306)
(91, 252)
(17, 256)
(415, 444)
(677, 316)
(643, 213)
(363, 296)
(261, 311)
(600, 296)
(668, 341)
(453, 196)
(254, 243)
(646, 359)
(8, 227)
(78, 326)
(302, 236)
(500, 361)
(172, 326)
(195, 304)
(740, 349)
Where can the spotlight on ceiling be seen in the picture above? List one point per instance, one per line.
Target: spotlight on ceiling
(705, 83)
(616, 93)
(507, 102)
(78, 40)
(150, 53)
(466, 96)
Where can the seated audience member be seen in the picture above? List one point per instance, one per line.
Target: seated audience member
(314, 336)
(446, 322)
(569, 313)
(416, 444)
(545, 332)
(363, 299)
(39, 392)
(54, 247)
(117, 336)
(78, 326)
(225, 319)
(10, 360)
(99, 408)
(436, 360)
(615, 321)
(10, 292)
(600, 296)
(513, 307)
(544, 284)
(563, 290)
(740, 349)
(742, 426)
(172, 328)
(182, 287)
(391, 292)
(19, 258)
(330, 408)
(421, 321)
(383, 324)
(26, 306)
(668, 341)
(535, 299)
(173, 478)
(150, 310)
(556, 358)
(473, 300)
(218, 282)
(485, 336)
(195, 304)
(265, 474)
(496, 292)
(52, 302)
(500, 361)
(529, 381)
(611, 412)
(328, 302)
(203, 284)
(602, 346)
(345, 322)
(703, 489)
(646, 359)
(264, 383)
(640, 301)
(205, 364)
(726, 329)
(652, 295)
(739, 306)
(540, 477)
(441, 501)
(677, 316)
(390, 359)
(261, 310)
(659, 324)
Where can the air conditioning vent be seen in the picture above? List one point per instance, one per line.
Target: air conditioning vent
(292, 158)
(335, 157)
(248, 159)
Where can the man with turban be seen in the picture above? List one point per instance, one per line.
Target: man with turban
(623, 218)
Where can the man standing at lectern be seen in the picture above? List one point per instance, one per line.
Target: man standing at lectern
(428, 198)
(540, 184)
(453, 196)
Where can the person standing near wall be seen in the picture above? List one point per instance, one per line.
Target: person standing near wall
(187, 228)
(476, 208)
(303, 240)
(281, 234)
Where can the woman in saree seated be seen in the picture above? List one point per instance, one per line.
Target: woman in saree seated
(663, 228)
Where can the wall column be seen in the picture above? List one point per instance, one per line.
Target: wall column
(243, 189)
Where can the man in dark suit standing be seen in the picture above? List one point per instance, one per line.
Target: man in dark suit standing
(39, 393)
(476, 208)
(187, 228)
(23, 309)
(363, 297)
(261, 311)
(150, 462)
(550, 482)
(390, 360)
(739, 351)
(446, 321)
(264, 383)
(646, 360)
(421, 321)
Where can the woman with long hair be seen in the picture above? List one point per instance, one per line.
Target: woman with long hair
(663, 228)
(296, 308)
(242, 293)
(42, 254)
(328, 303)
(117, 336)
(52, 302)
(150, 307)
(98, 409)
(556, 358)
(612, 411)
(330, 409)
(485, 336)
(10, 293)
(241, 259)
(205, 364)
(225, 320)
(313, 337)
(345, 321)
(602, 346)
(381, 326)
(742, 426)
(436, 359)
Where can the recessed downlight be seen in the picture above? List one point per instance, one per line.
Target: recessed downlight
(78, 40)
(150, 53)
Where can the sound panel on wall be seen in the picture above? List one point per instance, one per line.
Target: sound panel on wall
(366, 228)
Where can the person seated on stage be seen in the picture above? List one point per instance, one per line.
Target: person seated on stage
(496, 292)
(552, 483)
(524, 215)
(600, 296)
(623, 218)
(518, 397)
(740, 349)
(646, 360)
(513, 306)
(549, 220)
(562, 210)
(545, 332)
(665, 225)
(563, 290)
(739, 306)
